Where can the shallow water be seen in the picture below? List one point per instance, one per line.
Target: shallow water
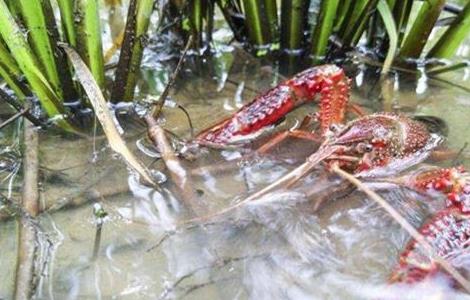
(275, 248)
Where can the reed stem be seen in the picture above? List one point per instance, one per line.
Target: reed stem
(87, 20)
(138, 20)
(417, 38)
(323, 29)
(458, 31)
(293, 23)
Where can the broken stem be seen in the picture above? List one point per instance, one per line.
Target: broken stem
(27, 234)
(99, 214)
(178, 173)
(406, 225)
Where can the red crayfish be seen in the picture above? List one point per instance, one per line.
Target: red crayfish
(372, 147)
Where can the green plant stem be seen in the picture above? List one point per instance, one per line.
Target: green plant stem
(343, 10)
(137, 24)
(253, 20)
(196, 12)
(67, 18)
(209, 16)
(10, 72)
(293, 22)
(89, 41)
(416, 39)
(22, 53)
(231, 14)
(323, 29)
(270, 8)
(362, 12)
(38, 32)
(458, 31)
(401, 14)
(351, 18)
(389, 22)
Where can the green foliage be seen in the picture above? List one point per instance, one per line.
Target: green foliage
(347, 22)
(453, 37)
(29, 41)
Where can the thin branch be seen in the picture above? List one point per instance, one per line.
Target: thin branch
(19, 107)
(406, 225)
(157, 108)
(13, 118)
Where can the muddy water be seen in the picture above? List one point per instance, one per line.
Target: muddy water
(276, 248)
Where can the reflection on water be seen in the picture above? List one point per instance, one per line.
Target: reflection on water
(279, 247)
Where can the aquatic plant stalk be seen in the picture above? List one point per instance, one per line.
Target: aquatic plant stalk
(34, 18)
(457, 32)
(10, 72)
(138, 20)
(351, 18)
(422, 26)
(68, 23)
(99, 214)
(232, 15)
(323, 29)
(293, 23)
(401, 14)
(157, 108)
(354, 28)
(253, 21)
(343, 10)
(272, 22)
(19, 107)
(196, 13)
(391, 29)
(87, 20)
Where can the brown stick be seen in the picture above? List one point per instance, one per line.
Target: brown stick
(178, 173)
(407, 226)
(26, 233)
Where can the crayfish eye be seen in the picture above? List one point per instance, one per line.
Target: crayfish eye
(363, 148)
(334, 127)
